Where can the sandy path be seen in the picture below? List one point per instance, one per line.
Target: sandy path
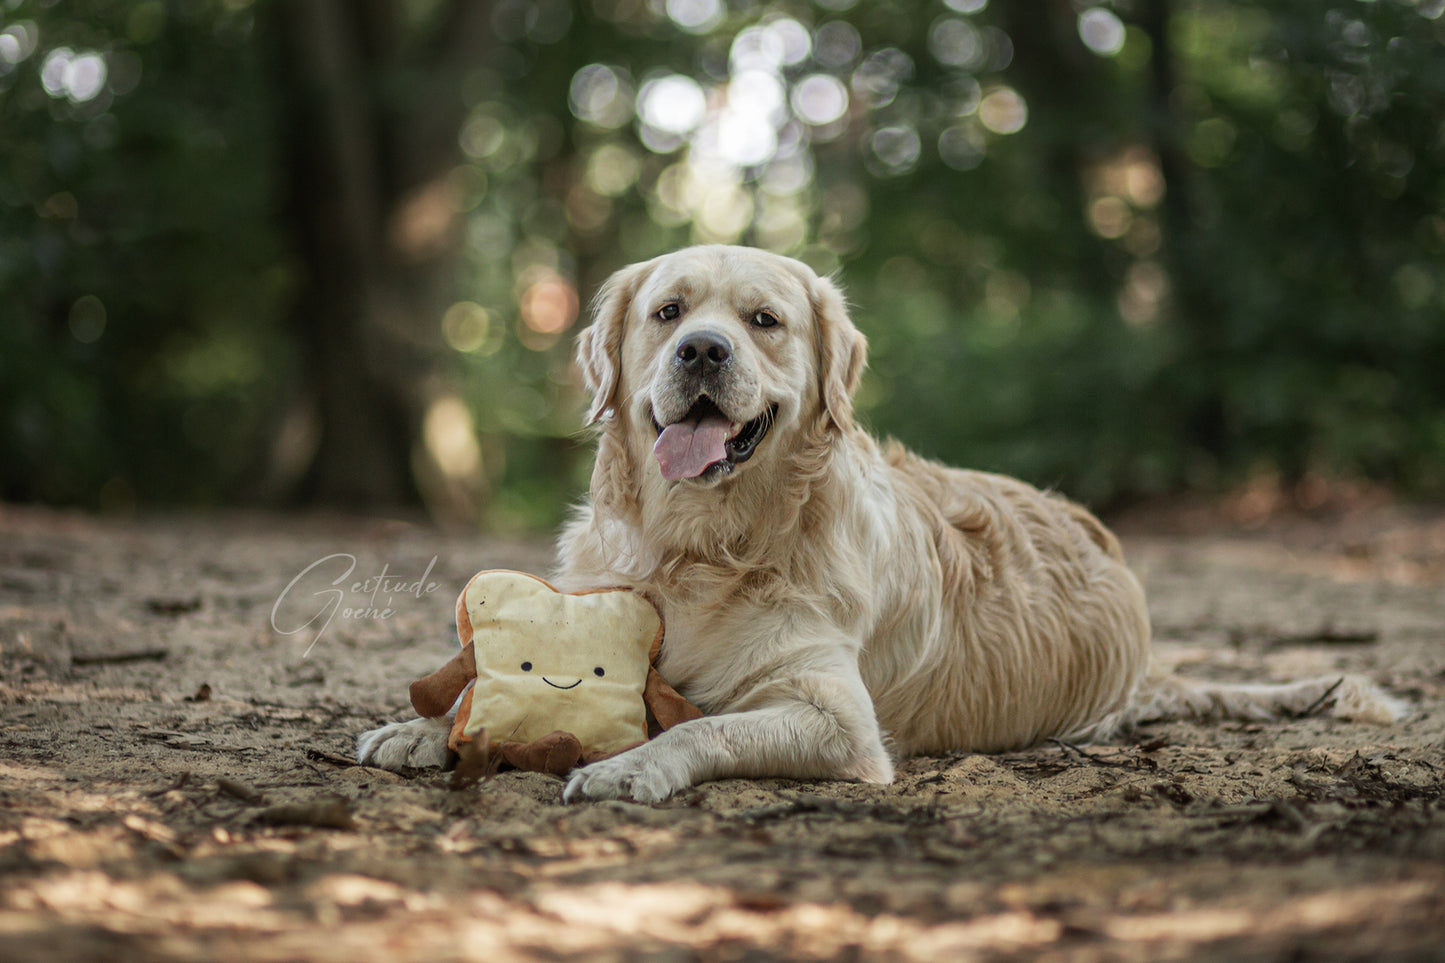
(174, 777)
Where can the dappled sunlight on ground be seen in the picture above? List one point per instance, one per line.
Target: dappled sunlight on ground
(144, 815)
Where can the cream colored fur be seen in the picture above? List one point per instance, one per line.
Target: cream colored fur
(832, 603)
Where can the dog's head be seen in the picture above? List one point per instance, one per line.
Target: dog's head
(716, 361)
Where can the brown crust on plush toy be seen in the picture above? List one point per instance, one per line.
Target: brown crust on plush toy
(464, 620)
(461, 604)
(457, 738)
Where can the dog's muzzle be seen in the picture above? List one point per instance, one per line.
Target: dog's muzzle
(705, 441)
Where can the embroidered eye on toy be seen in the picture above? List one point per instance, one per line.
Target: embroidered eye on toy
(552, 680)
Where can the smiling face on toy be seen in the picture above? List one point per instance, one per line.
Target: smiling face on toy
(568, 651)
(548, 661)
(597, 670)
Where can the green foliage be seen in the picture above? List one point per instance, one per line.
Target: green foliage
(1118, 249)
(141, 274)
(1315, 271)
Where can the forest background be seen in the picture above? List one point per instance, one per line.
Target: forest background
(320, 252)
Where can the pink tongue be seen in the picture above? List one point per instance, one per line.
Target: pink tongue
(684, 450)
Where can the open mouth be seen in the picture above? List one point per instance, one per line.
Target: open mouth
(707, 441)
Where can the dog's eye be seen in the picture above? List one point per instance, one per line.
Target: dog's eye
(765, 319)
(599, 672)
(669, 312)
(526, 667)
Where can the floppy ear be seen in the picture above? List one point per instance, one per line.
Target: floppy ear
(599, 346)
(842, 350)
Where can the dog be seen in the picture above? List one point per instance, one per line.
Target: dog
(831, 602)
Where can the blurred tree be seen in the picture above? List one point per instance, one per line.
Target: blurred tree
(372, 104)
(1305, 238)
(140, 278)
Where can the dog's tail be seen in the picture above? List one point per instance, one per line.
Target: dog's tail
(1165, 696)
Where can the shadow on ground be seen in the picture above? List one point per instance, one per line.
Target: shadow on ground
(176, 776)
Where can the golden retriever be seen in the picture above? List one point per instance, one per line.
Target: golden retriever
(831, 603)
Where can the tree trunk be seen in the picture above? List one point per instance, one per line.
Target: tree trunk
(353, 159)
(1196, 302)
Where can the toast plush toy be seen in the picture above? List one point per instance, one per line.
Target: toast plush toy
(551, 680)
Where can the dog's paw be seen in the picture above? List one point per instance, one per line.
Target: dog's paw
(1360, 700)
(398, 745)
(636, 774)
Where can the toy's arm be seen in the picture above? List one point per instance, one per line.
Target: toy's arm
(434, 695)
(667, 706)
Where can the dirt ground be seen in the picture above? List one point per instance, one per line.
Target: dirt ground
(177, 777)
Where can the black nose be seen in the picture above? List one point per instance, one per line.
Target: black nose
(704, 351)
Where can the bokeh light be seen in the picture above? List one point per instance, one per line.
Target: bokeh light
(79, 77)
(696, 16)
(1146, 285)
(17, 42)
(955, 42)
(819, 99)
(450, 438)
(962, 146)
(601, 94)
(836, 44)
(758, 95)
(1101, 31)
(1110, 217)
(1003, 111)
(895, 148)
(423, 223)
(878, 78)
(87, 319)
(467, 327)
(725, 212)
(549, 305)
(482, 135)
(756, 48)
(744, 132)
(770, 46)
(611, 170)
(795, 38)
(788, 175)
(672, 103)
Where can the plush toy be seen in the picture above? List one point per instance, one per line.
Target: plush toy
(551, 680)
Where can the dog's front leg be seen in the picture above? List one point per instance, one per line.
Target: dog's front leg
(416, 743)
(811, 727)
